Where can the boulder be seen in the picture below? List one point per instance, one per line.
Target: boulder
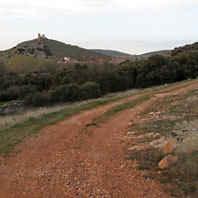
(168, 148)
(167, 161)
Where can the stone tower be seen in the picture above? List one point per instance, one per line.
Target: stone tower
(39, 35)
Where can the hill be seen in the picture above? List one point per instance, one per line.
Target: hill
(112, 53)
(48, 48)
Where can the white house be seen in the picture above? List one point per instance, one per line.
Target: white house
(66, 58)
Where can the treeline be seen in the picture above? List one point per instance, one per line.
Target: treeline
(80, 82)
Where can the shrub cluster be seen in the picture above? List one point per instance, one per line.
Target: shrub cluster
(64, 93)
(37, 99)
(89, 90)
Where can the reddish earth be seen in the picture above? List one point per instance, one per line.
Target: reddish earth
(67, 160)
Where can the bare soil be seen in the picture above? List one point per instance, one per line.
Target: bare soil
(70, 160)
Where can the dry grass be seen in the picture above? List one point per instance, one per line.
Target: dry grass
(28, 113)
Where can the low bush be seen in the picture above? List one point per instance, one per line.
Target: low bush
(89, 90)
(65, 93)
(37, 99)
(26, 90)
(11, 93)
(4, 96)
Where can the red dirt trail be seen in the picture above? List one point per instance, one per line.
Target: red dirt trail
(66, 160)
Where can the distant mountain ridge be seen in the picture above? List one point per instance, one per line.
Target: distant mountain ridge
(112, 53)
(155, 53)
(122, 54)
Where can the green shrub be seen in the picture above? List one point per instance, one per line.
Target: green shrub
(37, 99)
(26, 90)
(89, 90)
(16, 92)
(65, 93)
(11, 93)
(4, 96)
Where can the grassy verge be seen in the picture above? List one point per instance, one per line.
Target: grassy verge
(177, 116)
(11, 136)
(177, 86)
(122, 107)
(174, 85)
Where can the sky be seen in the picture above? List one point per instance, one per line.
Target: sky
(132, 26)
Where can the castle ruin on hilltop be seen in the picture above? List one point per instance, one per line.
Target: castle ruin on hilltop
(41, 36)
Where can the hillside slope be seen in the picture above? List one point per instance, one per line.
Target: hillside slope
(160, 52)
(187, 48)
(60, 49)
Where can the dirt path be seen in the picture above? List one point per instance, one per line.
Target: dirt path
(66, 161)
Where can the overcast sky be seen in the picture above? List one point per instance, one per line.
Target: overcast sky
(133, 26)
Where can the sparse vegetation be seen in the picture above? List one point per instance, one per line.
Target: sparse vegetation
(184, 173)
(147, 159)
